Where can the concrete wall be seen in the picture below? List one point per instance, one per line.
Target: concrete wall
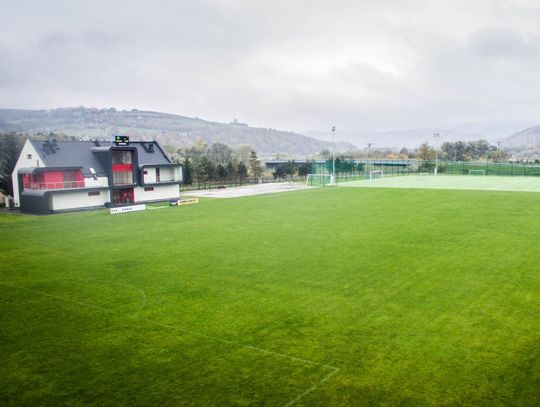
(77, 199)
(25, 162)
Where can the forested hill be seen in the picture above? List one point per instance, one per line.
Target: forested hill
(525, 139)
(93, 123)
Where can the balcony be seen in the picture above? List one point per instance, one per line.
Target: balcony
(53, 185)
(164, 174)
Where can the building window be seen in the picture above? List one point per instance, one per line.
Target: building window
(122, 167)
(122, 178)
(69, 176)
(122, 157)
(148, 189)
(29, 156)
(93, 193)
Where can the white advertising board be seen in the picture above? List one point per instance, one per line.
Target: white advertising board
(124, 209)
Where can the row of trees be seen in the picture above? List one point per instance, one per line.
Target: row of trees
(463, 151)
(290, 169)
(451, 151)
(472, 150)
(217, 162)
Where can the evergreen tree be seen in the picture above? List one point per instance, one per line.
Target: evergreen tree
(231, 173)
(255, 165)
(304, 169)
(241, 171)
(207, 170)
(279, 173)
(187, 172)
(221, 172)
(289, 169)
(10, 148)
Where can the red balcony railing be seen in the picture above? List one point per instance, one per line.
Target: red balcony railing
(53, 185)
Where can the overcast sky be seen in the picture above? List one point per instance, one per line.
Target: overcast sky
(296, 65)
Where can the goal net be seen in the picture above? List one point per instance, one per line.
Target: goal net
(319, 180)
(376, 174)
(477, 172)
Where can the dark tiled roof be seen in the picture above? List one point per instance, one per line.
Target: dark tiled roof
(80, 154)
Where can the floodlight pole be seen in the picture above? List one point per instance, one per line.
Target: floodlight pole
(369, 145)
(333, 156)
(436, 136)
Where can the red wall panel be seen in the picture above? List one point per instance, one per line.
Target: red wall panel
(53, 176)
(122, 167)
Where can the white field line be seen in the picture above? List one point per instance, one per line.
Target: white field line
(312, 388)
(254, 348)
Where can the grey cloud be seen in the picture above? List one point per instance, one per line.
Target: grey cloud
(291, 65)
(503, 43)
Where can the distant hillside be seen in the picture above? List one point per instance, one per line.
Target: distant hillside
(396, 139)
(166, 128)
(526, 139)
(492, 131)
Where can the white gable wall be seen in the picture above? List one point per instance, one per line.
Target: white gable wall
(25, 162)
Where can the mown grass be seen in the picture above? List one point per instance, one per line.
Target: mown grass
(419, 297)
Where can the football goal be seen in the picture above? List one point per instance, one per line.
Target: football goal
(477, 172)
(376, 174)
(320, 180)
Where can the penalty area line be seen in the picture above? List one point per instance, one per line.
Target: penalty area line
(334, 369)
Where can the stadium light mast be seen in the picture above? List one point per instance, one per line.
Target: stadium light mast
(333, 181)
(369, 145)
(436, 136)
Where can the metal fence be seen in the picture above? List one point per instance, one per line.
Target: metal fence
(362, 168)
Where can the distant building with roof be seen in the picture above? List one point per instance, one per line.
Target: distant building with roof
(54, 176)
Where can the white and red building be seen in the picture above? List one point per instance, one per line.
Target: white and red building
(54, 176)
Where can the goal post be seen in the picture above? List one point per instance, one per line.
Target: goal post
(376, 174)
(320, 180)
(477, 172)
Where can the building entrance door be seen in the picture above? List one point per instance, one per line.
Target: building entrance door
(123, 196)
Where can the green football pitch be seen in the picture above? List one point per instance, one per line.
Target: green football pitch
(470, 182)
(322, 297)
